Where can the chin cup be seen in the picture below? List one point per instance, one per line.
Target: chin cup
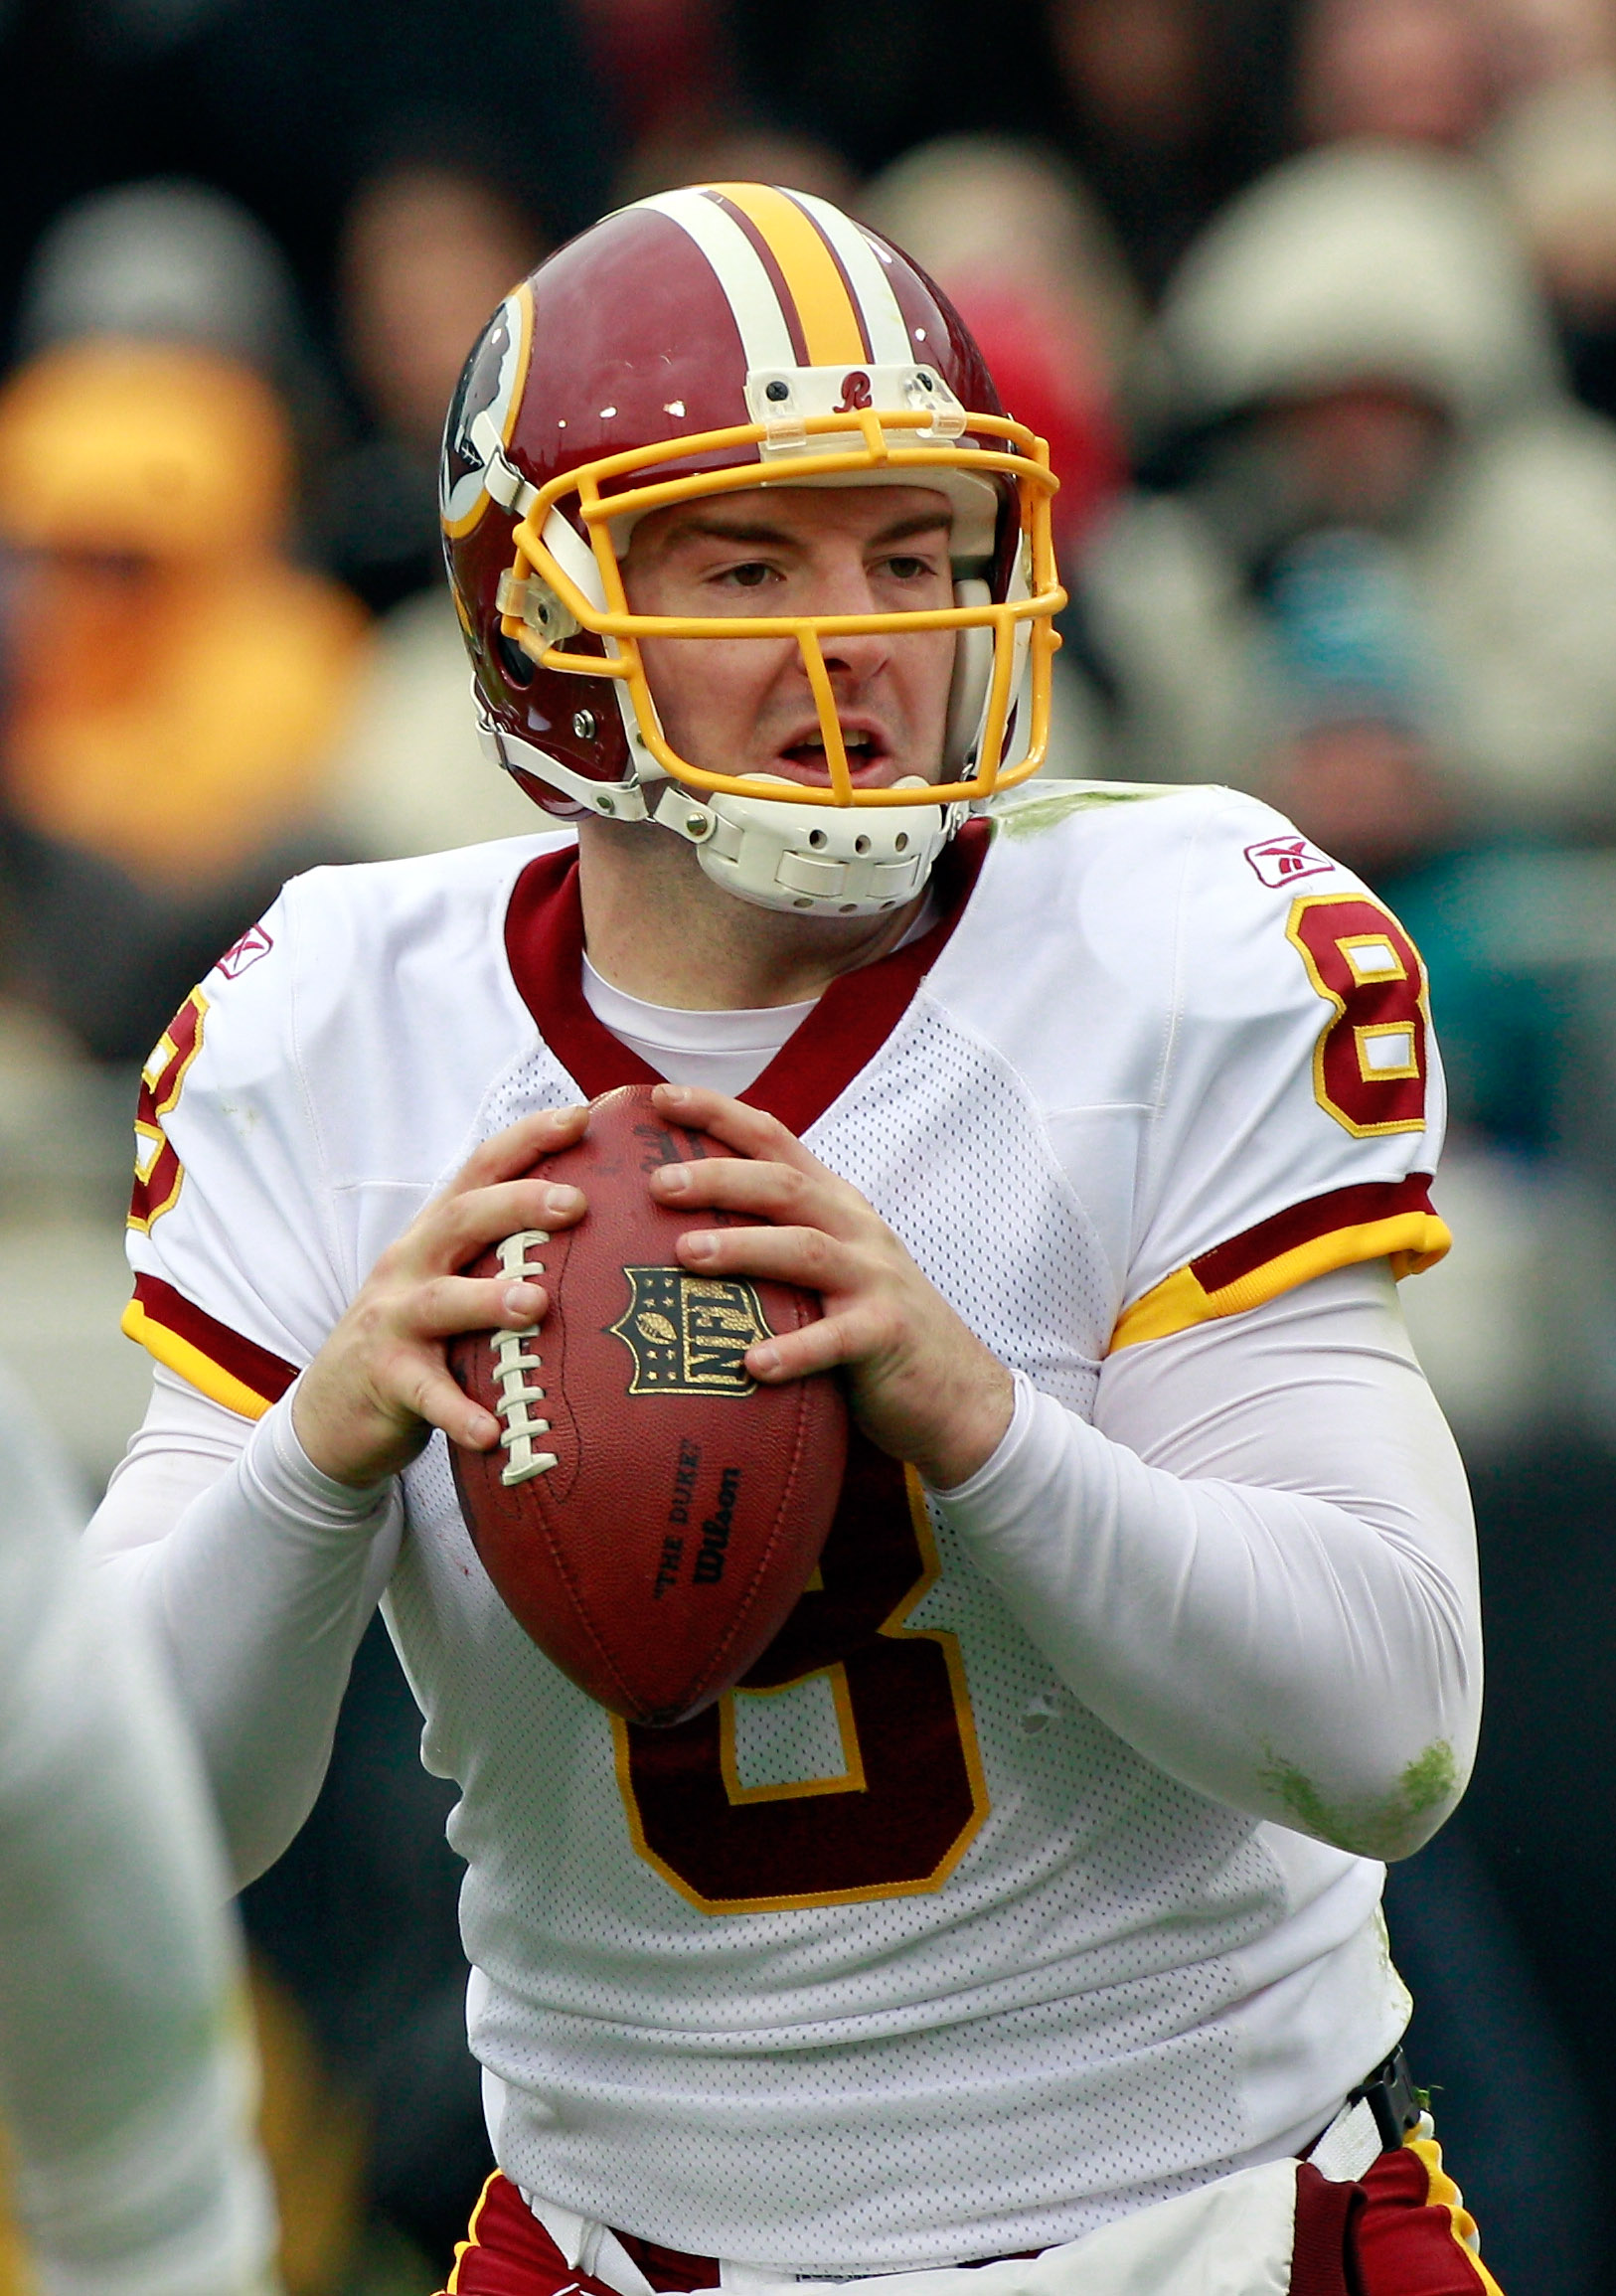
(813, 860)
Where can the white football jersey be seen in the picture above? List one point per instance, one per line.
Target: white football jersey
(897, 1955)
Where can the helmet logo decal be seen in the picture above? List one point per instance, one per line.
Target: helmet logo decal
(855, 392)
(490, 386)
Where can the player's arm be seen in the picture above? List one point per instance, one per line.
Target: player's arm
(257, 1552)
(1256, 1565)
(125, 2083)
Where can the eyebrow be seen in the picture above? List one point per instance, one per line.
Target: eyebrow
(760, 531)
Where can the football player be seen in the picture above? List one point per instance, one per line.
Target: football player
(127, 2080)
(1032, 1923)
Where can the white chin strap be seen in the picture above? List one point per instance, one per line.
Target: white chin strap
(814, 860)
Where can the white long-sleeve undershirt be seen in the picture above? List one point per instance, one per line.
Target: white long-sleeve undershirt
(1256, 1565)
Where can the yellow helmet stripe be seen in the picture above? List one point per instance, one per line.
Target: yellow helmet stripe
(739, 270)
(832, 335)
(866, 274)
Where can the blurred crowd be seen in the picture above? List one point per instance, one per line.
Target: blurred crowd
(1316, 302)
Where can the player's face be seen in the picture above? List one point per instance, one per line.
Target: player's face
(747, 707)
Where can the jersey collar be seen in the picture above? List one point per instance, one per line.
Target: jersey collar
(544, 944)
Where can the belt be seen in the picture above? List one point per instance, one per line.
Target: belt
(1378, 2116)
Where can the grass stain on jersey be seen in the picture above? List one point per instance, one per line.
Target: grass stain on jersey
(1045, 808)
(1375, 1830)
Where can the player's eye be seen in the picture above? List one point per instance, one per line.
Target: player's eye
(750, 577)
(905, 569)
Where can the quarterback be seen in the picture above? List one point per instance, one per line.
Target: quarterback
(1020, 1914)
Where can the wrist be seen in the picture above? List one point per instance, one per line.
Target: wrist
(975, 1428)
(344, 1439)
(294, 1430)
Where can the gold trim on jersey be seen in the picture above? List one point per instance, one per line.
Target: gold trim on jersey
(1412, 1241)
(851, 1778)
(183, 1355)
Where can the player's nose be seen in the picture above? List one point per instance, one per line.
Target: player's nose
(855, 659)
(852, 656)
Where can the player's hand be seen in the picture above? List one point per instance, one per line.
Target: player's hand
(922, 1384)
(369, 1400)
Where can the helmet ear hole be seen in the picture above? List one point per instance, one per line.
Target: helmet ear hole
(518, 668)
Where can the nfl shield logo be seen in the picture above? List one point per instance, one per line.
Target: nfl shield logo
(688, 1334)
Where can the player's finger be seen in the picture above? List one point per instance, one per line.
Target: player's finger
(456, 1229)
(802, 1255)
(456, 1303)
(505, 1154)
(820, 1346)
(748, 1131)
(431, 1394)
(781, 1192)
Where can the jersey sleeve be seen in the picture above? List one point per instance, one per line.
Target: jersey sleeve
(235, 1278)
(1301, 1107)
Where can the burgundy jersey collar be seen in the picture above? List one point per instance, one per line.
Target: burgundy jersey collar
(544, 941)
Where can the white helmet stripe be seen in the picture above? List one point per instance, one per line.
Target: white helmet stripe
(764, 336)
(890, 344)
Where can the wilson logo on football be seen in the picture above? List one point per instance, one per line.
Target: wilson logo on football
(1279, 860)
(689, 1333)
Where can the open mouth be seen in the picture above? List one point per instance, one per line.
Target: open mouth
(865, 755)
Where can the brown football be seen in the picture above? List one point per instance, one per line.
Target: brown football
(650, 1515)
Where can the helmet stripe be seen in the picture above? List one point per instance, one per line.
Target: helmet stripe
(871, 290)
(766, 339)
(832, 335)
(776, 277)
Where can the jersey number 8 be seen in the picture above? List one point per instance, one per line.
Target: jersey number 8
(1370, 1064)
(910, 1797)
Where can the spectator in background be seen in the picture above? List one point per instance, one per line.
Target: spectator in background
(1355, 344)
(1411, 70)
(173, 687)
(1032, 267)
(1363, 766)
(289, 104)
(427, 253)
(168, 260)
(1164, 106)
(1358, 762)
(1554, 153)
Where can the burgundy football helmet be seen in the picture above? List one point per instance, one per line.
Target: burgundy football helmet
(723, 337)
